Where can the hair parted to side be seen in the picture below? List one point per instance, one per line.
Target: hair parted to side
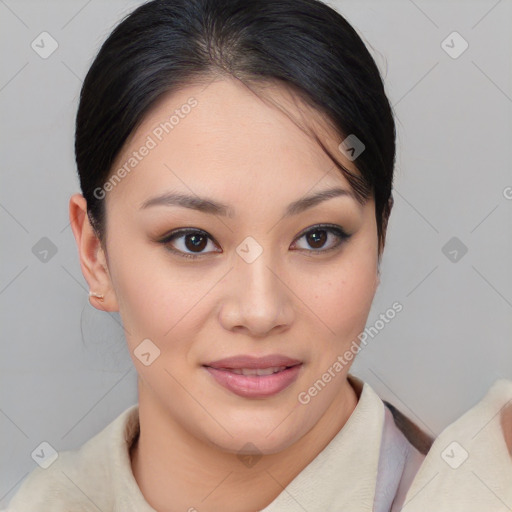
(167, 45)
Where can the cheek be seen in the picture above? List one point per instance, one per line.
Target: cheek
(343, 298)
(152, 295)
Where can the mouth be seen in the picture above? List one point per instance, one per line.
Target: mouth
(255, 371)
(251, 377)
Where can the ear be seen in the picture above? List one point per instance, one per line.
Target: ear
(93, 259)
(385, 218)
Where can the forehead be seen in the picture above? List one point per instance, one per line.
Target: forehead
(209, 137)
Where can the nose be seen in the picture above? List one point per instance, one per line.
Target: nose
(257, 298)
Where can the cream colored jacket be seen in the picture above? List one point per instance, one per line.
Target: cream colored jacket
(380, 461)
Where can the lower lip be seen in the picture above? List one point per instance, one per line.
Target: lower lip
(255, 386)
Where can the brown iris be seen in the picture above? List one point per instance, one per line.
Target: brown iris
(197, 241)
(315, 240)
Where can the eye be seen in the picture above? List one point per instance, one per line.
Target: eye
(194, 240)
(317, 236)
(197, 240)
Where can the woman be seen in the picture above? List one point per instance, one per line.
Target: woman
(236, 162)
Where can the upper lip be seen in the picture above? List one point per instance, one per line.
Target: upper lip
(247, 361)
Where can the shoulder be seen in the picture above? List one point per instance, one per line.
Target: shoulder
(469, 465)
(55, 488)
(78, 480)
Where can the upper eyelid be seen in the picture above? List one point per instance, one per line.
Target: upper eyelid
(326, 226)
(185, 231)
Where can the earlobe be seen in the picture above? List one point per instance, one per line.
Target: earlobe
(92, 258)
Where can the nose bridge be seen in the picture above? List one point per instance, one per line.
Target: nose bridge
(259, 302)
(254, 270)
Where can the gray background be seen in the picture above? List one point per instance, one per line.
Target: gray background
(65, 372)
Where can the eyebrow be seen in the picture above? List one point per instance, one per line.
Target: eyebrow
(210, 206)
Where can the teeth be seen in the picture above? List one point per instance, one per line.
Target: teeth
(257, 371)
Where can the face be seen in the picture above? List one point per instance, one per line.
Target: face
(255, 277)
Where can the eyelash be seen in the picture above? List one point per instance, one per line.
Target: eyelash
(333, 229)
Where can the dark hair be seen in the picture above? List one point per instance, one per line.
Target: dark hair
(166, 45)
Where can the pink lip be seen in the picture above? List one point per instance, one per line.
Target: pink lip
(254, 386)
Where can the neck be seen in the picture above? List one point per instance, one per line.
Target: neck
(175, 471)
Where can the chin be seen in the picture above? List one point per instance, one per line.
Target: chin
(251, 445)
(253, 436)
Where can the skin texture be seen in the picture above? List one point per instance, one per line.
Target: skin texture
(291, 300)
